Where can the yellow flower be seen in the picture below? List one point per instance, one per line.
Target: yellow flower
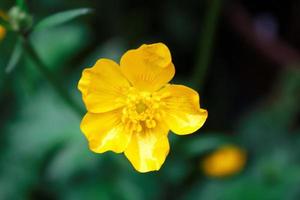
(225, 161)
(131, 106)
(2, 32)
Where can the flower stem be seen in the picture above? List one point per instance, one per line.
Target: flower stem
(21, 4)
(206, 43)
(30, 51)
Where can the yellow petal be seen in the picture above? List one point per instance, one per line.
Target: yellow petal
(103, 86)
(182, 109)
(105, 132)
(148, 149)
(149, 67)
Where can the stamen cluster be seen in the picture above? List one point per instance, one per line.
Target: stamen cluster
(142, 110)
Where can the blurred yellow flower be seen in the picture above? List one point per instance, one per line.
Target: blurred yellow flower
(131, 107)
(2, 32)
(225, 161)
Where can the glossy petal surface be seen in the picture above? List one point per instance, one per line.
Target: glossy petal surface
(105, 132)
(103, 86)
(148, 149)
(182, 109)
(149, 67)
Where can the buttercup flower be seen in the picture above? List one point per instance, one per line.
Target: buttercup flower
(131, 107)
(225, 161)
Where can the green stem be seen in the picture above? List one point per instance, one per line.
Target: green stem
(206, 43)
(21, 4)
(30, 51)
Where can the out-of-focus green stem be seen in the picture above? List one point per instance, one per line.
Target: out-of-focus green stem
(30, 51)
(21, 4)
(206, 43)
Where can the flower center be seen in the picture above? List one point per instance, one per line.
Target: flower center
(142, 110)
(141, 107)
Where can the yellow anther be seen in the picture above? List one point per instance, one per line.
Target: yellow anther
(150, 123)
(141, 107)
(142, 110)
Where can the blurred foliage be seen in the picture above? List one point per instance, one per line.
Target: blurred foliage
(44, 155)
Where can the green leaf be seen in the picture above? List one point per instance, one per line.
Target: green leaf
(57, 52)
(62, 167)
(61, 18)
(41, 125)
(15, 57)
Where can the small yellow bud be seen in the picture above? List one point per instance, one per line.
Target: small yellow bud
(225, 161)
(2, 32)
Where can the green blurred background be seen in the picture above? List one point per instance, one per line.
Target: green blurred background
(242, 56)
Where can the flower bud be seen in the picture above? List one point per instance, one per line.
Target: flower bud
(19, 19)
(225, 161)
(2, 32)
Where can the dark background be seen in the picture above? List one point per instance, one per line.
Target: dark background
(244, 63)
